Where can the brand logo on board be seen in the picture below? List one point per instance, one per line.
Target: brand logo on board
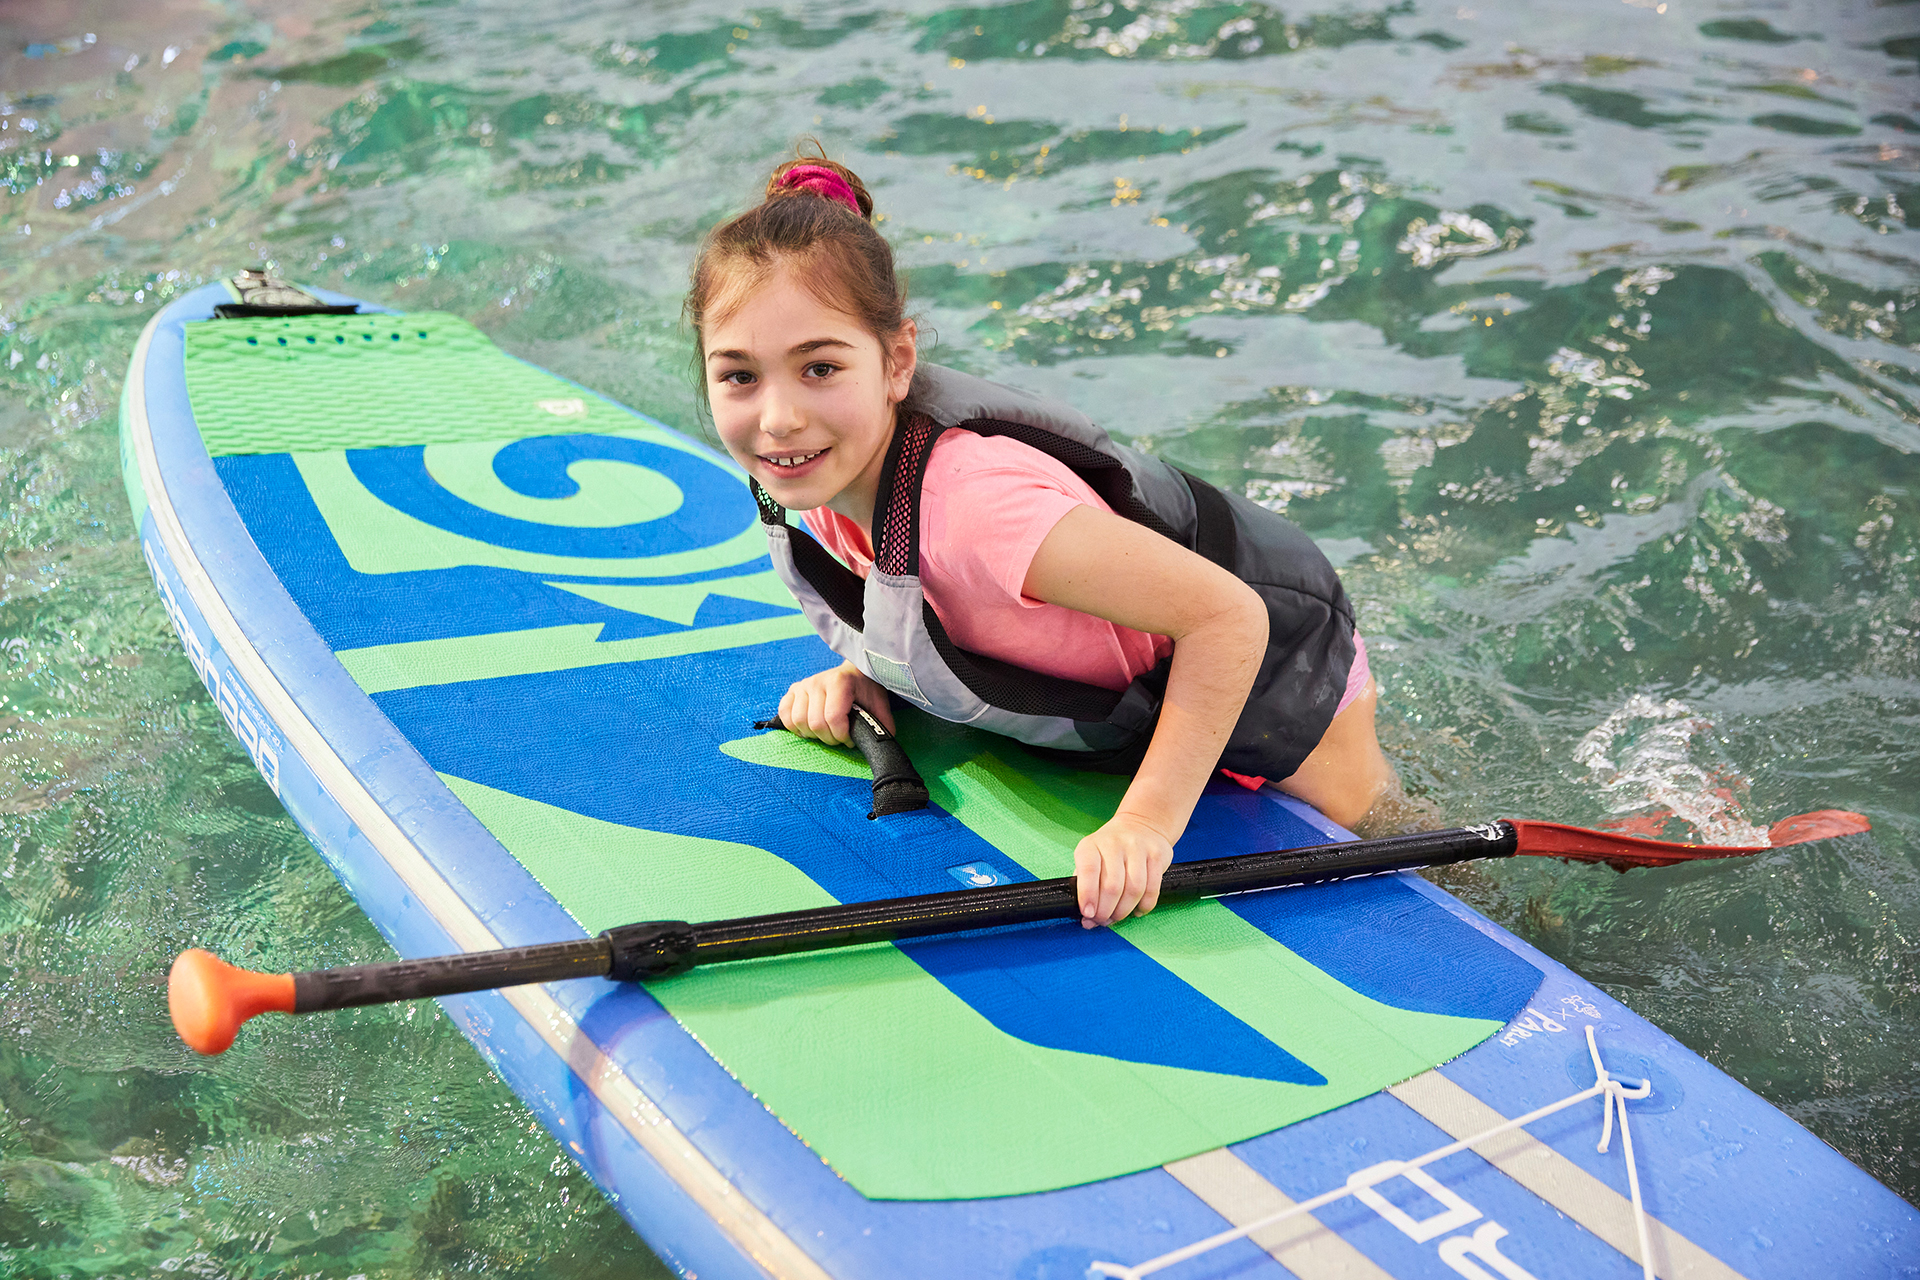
(236, 702)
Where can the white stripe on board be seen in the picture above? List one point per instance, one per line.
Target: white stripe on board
(743, 1222)
(1303, 1245)
(1557, 1180)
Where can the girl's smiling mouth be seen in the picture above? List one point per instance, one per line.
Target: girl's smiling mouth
(793, 463)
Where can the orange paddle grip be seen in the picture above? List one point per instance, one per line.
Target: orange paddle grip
(210, 998)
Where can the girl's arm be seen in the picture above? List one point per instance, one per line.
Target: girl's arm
(1108, 566)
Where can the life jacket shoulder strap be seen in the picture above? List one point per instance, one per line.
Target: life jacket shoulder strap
(838, 585)
(1214, 535)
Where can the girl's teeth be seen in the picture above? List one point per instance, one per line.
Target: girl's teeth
(793, 462)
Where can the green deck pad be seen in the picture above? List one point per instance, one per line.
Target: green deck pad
(277, 385)
(836, 1044)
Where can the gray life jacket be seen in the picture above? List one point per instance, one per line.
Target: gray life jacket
(886, 628)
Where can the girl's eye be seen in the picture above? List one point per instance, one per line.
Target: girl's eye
(737, 377)
(821, 369)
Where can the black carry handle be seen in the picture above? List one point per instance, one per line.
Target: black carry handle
(897, 785)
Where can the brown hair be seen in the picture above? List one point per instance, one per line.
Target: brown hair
(834, 253)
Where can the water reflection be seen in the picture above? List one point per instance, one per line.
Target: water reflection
(1582, 335)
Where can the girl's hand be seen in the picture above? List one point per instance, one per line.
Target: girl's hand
(818, 706)
(1119, 869)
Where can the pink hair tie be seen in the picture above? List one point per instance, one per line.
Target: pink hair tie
(822, 181)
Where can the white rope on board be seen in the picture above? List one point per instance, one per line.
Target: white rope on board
(1604, 1086)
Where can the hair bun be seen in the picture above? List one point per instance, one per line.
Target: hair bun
(815, 175)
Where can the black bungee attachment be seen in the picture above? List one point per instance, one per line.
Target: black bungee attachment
(897, 785)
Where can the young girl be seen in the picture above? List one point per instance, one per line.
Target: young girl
(1002, 562)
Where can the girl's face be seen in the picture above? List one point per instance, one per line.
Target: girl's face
(803, 397)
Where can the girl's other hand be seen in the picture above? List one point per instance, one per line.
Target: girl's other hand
(1119, 869)
(818, 707)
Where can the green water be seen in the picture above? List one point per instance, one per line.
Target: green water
(1583, 334)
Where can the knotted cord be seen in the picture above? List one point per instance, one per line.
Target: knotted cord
(1615, 1097)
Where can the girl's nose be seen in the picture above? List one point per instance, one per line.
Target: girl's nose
(781, 415)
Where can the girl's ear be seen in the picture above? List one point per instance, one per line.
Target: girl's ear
(903, 354)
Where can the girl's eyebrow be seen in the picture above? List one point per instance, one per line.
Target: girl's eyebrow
(799, 349)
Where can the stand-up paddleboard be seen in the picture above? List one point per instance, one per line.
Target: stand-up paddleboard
(498, 645)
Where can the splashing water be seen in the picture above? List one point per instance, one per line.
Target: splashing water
(1645, 758)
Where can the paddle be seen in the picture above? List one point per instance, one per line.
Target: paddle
(209, 999)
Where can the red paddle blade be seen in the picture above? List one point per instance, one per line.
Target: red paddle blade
(1577, 844)
(1821, 824)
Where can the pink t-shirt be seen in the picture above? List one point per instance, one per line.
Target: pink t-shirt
(986, 505)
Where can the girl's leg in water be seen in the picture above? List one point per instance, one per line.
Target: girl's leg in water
(1347, 777)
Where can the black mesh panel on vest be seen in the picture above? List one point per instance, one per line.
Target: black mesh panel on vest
(1016, 689)
(771, 512)
(896, 550)
(842, 588)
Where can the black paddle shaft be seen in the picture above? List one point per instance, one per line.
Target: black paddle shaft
(659, 948)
